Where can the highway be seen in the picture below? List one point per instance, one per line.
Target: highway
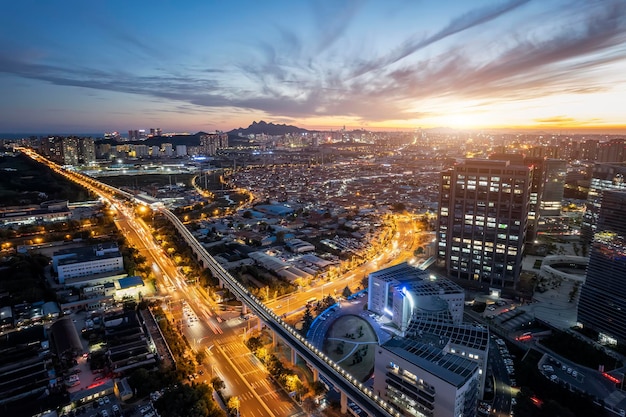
(342, 380)
(230, 359)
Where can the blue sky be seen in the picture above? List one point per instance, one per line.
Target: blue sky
(83, 66)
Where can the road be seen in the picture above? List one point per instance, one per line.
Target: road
(231, 360)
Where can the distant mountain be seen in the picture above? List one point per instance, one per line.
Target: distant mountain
(267, 128)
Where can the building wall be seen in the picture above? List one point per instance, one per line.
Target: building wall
(425, 394)
(602, 304)
(96, 266)
(604, 177)
(483, 218)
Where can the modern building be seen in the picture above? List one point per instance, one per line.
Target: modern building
(421, 380)
(604, 177)
(401, 290)
(436, 364)
(483, 219)
(82, 262)
(602, 305)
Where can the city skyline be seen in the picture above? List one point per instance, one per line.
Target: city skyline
(551, 66)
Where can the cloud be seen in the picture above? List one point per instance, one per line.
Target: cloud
(466, 21)
(556, 119)
(291, 78)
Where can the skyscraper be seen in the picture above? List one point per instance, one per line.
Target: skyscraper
(604, 177)
(483, 217)
(602, 305)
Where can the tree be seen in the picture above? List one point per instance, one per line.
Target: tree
(346, 292)
(217, 383)
(307, 319)
(233, 404)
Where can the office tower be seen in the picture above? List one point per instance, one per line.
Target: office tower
(483, 217)
(602, 305)
(604, 177)
(554, 185)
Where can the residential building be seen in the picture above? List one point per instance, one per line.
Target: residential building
(483, 219)
(211, 142)
(602, 305)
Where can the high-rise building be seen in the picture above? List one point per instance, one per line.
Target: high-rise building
(588, 150)
(86, 150)
(211, 142)
(69, 151)
(602, 305)
(613, 150)
(604, 177)
(483, 218)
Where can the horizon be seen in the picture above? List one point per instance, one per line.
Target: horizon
(509, 65)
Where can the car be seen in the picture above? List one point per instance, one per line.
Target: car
(574, 373)
(106, 400)
(115, 407)
(100, 401)
(105, 413)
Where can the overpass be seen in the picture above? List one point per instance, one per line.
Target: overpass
(347, 385)
(342, 380)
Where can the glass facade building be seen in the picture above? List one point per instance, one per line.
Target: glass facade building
(604, 177)
(602, 305)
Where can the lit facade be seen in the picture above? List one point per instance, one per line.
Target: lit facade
(420, 380)
(81, 262)
(436, 365)
(483, 219)
(604, 177)
(210, 143)
(602, 305)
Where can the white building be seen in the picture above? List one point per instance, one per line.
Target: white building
(426, 313)
(181, 150)
(81, 262)
(421, 380)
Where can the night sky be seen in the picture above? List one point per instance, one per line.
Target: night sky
(89, 66)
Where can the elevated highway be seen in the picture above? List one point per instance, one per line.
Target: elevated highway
(342, 380)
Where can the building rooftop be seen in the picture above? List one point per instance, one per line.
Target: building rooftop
(453, 369)
(130, 282)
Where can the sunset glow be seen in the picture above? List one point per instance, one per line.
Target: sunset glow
(85, 66)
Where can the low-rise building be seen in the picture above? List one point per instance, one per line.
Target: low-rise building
(82, 262)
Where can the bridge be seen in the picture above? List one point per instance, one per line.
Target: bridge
(341, 380)
(347, 385)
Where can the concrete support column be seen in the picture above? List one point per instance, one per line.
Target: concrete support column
(259, 326)
(344, 403)
(294, 356)
(244, 309)
(316, 375)
(274, 339)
